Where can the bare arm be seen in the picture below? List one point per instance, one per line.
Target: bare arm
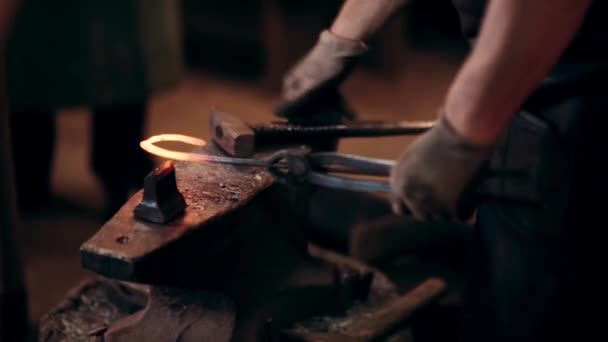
(361, 19)
(330, 61)
(520, 41)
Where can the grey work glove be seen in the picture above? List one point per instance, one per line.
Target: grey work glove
(435, 177)
(312, 84)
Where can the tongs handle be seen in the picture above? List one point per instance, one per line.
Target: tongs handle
(347, 163)
(346, 183)
(310, 167)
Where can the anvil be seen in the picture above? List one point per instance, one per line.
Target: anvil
(242, 235)
(129, 249)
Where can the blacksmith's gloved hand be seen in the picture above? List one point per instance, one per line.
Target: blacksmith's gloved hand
(435, 177)
(312, 84)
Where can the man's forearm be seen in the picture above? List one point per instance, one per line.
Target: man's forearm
(519, 43)
(361, 19)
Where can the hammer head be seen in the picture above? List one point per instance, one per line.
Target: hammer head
(232, 135)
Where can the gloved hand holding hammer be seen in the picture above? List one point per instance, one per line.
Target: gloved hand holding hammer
(312, 85)
(310, 89)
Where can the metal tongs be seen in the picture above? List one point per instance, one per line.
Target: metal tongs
(292, 166)
(298, 166)
(301, 166)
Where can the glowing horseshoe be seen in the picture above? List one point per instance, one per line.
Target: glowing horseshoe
(149, 146)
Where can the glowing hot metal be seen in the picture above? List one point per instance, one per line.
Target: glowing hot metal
(149, 146)
(289, 165)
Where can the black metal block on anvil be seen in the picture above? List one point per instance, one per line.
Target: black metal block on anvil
(161, 201)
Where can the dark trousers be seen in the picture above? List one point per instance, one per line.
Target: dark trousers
(537, 269)
(116, 157)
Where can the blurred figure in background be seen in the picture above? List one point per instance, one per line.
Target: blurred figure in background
(110, 56)
(13, 302)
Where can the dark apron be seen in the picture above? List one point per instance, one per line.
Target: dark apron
(536, 270)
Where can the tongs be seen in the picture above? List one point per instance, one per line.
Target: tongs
(293, 166)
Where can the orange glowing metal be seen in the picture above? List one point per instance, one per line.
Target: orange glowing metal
(149, 146)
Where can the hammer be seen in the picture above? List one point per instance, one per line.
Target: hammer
(238, 138)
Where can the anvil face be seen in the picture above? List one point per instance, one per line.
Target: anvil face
(130, 249)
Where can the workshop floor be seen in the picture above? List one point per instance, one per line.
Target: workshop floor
(49, 244)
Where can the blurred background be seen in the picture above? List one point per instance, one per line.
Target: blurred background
(232, 55)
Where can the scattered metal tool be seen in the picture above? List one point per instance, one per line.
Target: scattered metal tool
(238, 138)
(383, 321)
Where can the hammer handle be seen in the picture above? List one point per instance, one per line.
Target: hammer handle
(286, 131)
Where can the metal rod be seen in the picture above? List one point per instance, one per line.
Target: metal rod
(278, 131)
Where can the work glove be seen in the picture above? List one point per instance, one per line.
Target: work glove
(435, 178)
(311, 86)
